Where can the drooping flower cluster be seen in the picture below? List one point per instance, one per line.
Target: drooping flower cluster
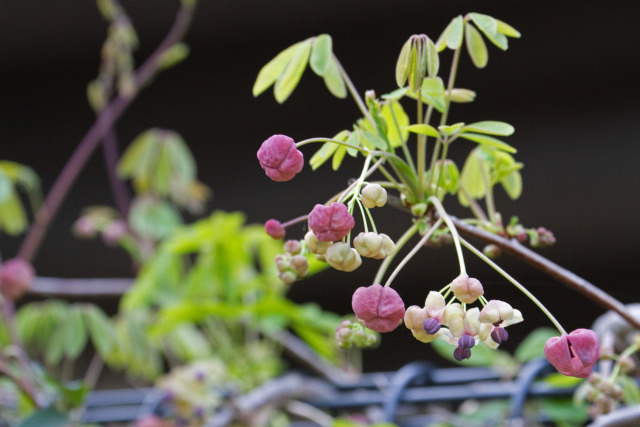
(458, 325)
(292, 265)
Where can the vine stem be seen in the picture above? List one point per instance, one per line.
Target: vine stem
(515, 283)
(414, 251)
(105, 120)
(551, 269)
(353, 91)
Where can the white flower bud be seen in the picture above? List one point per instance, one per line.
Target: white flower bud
(373, 195)
(316, 246)
(343, 257)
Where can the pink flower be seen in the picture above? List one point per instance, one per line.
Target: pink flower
(274, 229)
(380, 308)
(330, 223)
(280, 158)
(16, 277)
(574, 354)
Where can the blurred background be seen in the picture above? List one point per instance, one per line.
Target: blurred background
(569, 86)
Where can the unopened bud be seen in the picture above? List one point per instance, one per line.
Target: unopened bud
(627, 364)
(293, 247)
(274, 229)
(288, 277)
(492, 251)
(368, 244)
(373, 195)
(460, 95)
(282, 262)
(466, 289)
(16, 277)
(300, 264)
(342, 257)
(316, 246)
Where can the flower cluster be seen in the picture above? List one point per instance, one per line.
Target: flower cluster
(353, 333)
(456, 324)
(292, 265)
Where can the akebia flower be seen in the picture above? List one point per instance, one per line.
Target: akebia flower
(330, 223)
(380, 308)
(373, 195)
(374, 245)
(274, 229)
(280, 158)
(574, 354)
(466, 289)
(16, 277)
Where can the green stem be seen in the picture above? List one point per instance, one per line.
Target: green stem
(405, 149)
(399, 244)
(452, 229)
(627, 352)
(354, 93)
(414, 251)
(421, 151)
(524, 290)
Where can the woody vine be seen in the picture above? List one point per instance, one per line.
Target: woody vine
(406, 165)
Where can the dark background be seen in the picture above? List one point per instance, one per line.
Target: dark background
(569, 86)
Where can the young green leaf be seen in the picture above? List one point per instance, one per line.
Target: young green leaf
(397, 120)
(489, 27)
(423, 129)
(75, 333)
(322, 155)
(354, 141)
(273, 69)
(512, 184)
(320, 54)
(153, 218)
(374, 140)
(474, 175)
(450, 130)
(433, 62)
(476, 47)
(287, 81)
(333, 79)
(101, 330)
(433, 93)
(507, 29)
(173, 56)
(454, 36)
(490, 127)
(403, 63)
(489, 141)
(338, 156)
(532, 347)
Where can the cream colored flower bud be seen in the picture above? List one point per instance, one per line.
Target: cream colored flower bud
(316, 246)
(388, 247)
(368, 244)
(343, 257)
(288, 277)
(300, 264)
(471, 322)
(466, 289)
(496, 311)
(373, 195)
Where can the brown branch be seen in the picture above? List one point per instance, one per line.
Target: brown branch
(550, 268)
(105, 121)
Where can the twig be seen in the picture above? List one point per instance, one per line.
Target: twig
(550, 268)
(105, 120)
(119, 190)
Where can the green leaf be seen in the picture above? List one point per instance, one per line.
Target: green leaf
(433, 62)
(322, 155)
(273, 69)
(454, 36)
(489, 141)
(476, 47)
(338, 156)
(532, 347)
(433, 93)
(45, 417)
(374, 140)
(6, 186)
(423, 129)
(320, 54)
(173, 55)
(153, 218)
(75, 334)
(333, 80)
(403, 64)
(101, 330)
(354, 140)
(489, 27)
(490, 127)
(564, 410)
(287, 81)
(13, 219)
(450, 130)
(472, 179)
(507, 29)
(630, 390)
(397, 121)
(512, 184)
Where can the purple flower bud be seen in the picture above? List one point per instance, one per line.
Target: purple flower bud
(330, 223)
(461, 353)
(466, 341)
(574, 354)
(499, 335)
(431, 326)
(16, 277)
(380, 308)
(280, 158)
(274, 229)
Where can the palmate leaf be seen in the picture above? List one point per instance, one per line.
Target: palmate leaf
(489, 27)
(270, 72)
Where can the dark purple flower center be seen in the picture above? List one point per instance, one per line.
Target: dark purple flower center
(499, 335)
(466, 341)
(431, 326)
(461, 353)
